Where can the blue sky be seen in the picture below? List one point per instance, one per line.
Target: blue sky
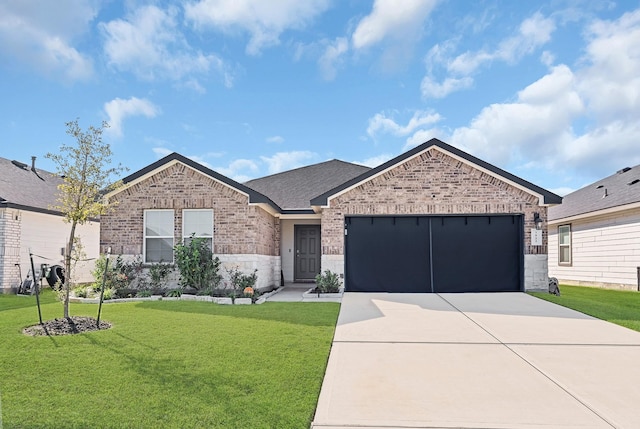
(548, 90)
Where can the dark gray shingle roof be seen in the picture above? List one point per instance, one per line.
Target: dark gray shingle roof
(22, 188)
(294, 189)
(620, 190)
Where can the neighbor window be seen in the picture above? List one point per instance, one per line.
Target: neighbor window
(199, 224)
(564, 245)
(158, 236)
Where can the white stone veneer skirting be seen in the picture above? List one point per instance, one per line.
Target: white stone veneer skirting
(536, 272)
(268, 268)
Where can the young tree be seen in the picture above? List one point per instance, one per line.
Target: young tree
(86, 176)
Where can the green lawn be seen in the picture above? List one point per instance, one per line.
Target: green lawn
(164, 365)
(621, 307)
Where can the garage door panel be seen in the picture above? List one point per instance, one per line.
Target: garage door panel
(458, 253)
(476, 253)
(386, 254)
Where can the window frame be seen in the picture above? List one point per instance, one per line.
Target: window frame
(145, 237)
(567, 229)
(186, 235)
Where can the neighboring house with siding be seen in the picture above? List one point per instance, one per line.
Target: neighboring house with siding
(433, 219)
(27, 222)
(594, 235)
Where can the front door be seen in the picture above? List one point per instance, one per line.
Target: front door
(307, 252)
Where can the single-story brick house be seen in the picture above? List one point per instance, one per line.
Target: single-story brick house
(434, 219)
(594, 235)
(27, 221)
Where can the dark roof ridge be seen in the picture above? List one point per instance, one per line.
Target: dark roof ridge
(303, 167)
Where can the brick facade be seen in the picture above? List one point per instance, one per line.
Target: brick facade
(238, 227)
(9, 249)
(430, 183)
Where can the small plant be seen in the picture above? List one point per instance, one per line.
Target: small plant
(143, 294)
(329, 282)
(242, 282)
(198, 268)
(120, 273)
(109, 293)
(159, 273)
(175, 293)
(80, 292)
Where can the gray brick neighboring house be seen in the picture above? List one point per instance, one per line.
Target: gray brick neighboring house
(594, 235)
(434, 219)
(27, 222)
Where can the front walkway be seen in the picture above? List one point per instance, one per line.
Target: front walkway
(501, 360)
(294, 292)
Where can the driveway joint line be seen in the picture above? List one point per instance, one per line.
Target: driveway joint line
(548, 377)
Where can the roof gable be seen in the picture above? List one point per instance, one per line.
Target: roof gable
(254, 196)
(617, 190)
(22, 187)
(293, 189)
(545, 196)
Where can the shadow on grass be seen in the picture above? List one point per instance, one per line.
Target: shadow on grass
(297, 313)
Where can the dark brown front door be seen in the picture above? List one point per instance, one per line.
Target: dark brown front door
(307, 264)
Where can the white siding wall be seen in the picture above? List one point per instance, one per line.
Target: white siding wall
(287, 244)
(605, 251)
(46, 234)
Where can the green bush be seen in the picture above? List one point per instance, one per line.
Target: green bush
(240, 281)
(159, 273)
(120, 273)
(196, 264)
(329, 282)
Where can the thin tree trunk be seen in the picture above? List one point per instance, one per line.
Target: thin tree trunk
(67, 268)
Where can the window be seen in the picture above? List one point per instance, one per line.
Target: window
(158, 236)
(198, 223)
(564, 245)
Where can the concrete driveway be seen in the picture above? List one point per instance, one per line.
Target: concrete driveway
(500, 360)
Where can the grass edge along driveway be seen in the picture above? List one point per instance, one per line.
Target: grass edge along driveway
(166, 364)
(616, 306)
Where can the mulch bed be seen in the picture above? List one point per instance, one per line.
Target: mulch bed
(66, 326)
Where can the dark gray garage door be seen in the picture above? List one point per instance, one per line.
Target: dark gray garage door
(434, 253)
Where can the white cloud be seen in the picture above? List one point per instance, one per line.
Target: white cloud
(37, 34)
(375, 161)
(532, 33)
(161, 151)
(332, 57)
(275, 139)
(283, 161)
(390, 18)
(118, 109)
(265, 21)
(239, 170)
(382, 123)
(562, 190)
(149, 44)
(433, 89)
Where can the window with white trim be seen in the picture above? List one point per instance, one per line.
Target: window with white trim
(564, 245)
(199, 224)
(158, 236)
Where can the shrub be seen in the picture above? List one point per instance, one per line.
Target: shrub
(175, 293)
(120, 274)
(80, 292)
(196, 264)
(241, 281)
(329, 282)
(143, 294)
(159, 273)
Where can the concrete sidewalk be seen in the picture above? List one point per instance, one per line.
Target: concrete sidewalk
(502, 360)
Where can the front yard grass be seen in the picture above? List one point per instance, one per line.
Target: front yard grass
(165, 364)
(620, 307)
